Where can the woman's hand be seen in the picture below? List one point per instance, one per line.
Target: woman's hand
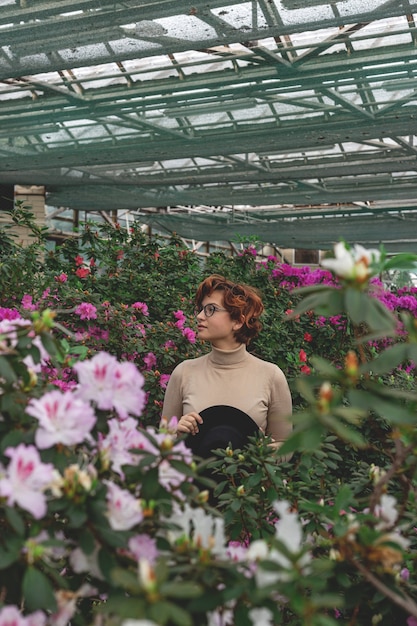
(189, 423)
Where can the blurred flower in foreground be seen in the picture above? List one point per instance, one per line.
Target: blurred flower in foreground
(355, 264)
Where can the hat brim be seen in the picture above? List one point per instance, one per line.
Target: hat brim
(222, 425)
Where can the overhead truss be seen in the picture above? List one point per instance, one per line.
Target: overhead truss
(270, 103)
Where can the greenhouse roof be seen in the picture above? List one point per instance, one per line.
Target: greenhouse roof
(293, 120)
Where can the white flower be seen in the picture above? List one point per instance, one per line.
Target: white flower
(352, 263)
(261, 617)
(386, 511)
(200, 528)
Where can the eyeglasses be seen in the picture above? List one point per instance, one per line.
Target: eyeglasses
(209, 310)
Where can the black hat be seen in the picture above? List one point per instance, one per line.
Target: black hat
(222, 425)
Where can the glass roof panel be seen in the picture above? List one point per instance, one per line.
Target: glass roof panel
(268, 103)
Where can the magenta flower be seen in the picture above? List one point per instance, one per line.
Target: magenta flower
(123, 510)
(163, 380)
(62, 278)
(411, 621)
(26, 479)
(142, 307)
(63, 418)
(111, 384)
(86, 311)
(189, 334)
(150, 360)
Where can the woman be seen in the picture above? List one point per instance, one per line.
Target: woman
(228, 317)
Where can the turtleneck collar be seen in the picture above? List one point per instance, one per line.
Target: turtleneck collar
(228, 357)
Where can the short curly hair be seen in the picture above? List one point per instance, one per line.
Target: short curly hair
(240, 300)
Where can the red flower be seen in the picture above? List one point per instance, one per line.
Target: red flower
(302, 355)
(79, 260)
(308, 337)
(305, 369)
(82, 272)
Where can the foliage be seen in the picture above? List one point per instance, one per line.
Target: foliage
(106, 517)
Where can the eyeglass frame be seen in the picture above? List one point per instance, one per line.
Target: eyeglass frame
(209, 306)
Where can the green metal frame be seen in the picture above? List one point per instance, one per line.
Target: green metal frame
(273, 103)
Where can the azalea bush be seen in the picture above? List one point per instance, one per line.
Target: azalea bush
(106, 516)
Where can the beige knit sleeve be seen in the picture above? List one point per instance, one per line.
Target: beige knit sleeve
(280, 408)
(173, 400)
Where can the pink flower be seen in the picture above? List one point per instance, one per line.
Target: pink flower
(86, 311)
(123, 510)
(169, 345)
(63, 418)
(11, 616)
(123, 436)
(142, 307)
(143, 547)
(79, 260)
(411, 621)
(62, 278)
(111, 384)
(26, 479)
(308, 337)
(163, 380)
(27, 303)
(82, 272)
(189, 334)
(149, 360)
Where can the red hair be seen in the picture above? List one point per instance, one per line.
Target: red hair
(241, 301)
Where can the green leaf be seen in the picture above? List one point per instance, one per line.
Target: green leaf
(356, 304)
(402, 261)
(182, 468)
(10, 552)
(387, 360)
(49, 343)
(15, 520)
(181, 590)
(37, 591)
(344, 498)
(164, 612)
(379, 318)
(347, 434)
(86, 541)
(6, 370)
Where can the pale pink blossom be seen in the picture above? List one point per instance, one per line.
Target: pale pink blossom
(143, 547)
(26, 479)
(63, 418)
(111, 384)
(124, 511)
(11, 616)
(123, 436)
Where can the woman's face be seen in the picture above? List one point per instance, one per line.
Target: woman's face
(219, 328)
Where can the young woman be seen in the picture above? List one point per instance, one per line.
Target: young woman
(228, 318)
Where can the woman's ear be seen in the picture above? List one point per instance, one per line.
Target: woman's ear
(238, 325)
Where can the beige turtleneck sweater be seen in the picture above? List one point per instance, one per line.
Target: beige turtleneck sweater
(236, 378)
